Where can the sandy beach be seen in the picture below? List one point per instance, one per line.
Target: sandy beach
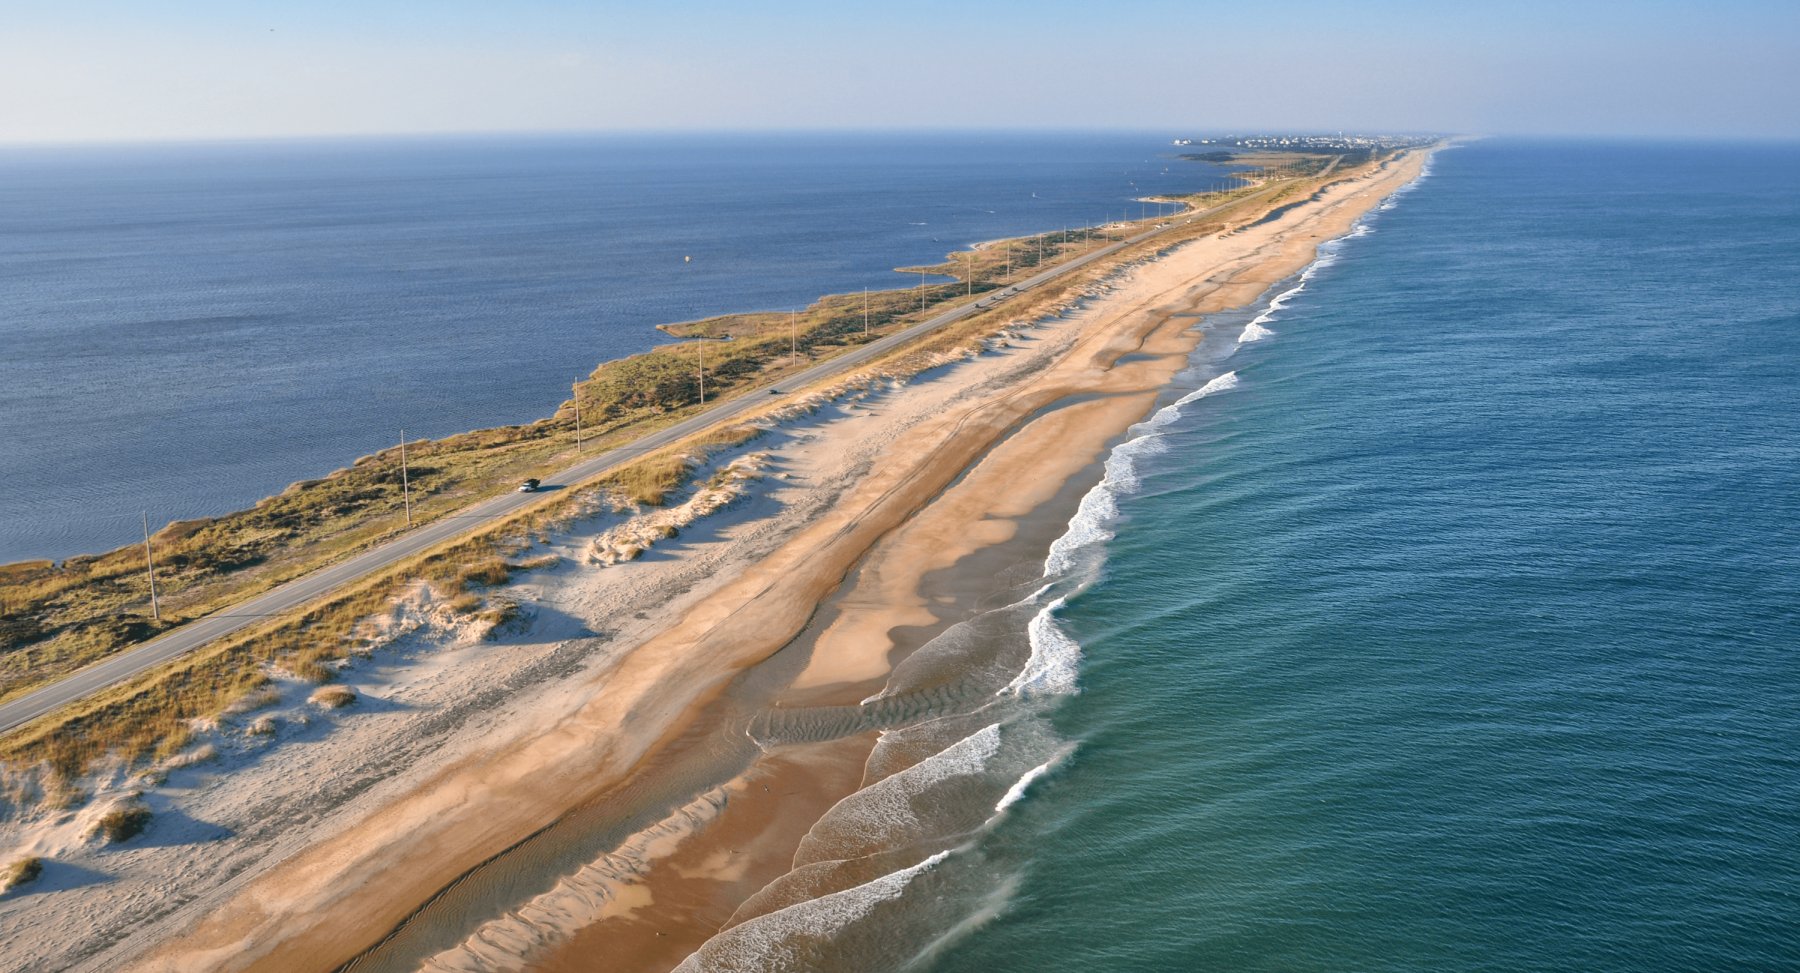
(655, 749)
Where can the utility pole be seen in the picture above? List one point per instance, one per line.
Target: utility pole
(921, 290)
(1009, 261)
(701, 348)
(794, 335)
(150, 569)
(578, 442)
(865, 311)
(405, 484)
(969, 277)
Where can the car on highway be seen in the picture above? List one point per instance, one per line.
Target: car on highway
(529, 486)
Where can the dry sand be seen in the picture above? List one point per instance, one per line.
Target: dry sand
(331, 834)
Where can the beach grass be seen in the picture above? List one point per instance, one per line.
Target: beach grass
(123, 823)
(22, 871)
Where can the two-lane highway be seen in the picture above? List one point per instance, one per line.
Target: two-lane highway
(300, 591)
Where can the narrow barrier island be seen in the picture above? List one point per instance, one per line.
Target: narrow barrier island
(57, 618)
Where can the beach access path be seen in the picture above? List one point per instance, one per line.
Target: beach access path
(301, 591)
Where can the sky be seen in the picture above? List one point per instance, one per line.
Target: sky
(103, 70)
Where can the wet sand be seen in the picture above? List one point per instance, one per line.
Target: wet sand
(916, 540)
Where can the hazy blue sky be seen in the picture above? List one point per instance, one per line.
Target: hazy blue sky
(89, 69)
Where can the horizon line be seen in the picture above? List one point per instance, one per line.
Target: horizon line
(816, 131)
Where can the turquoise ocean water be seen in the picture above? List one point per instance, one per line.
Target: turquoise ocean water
(1459, 627)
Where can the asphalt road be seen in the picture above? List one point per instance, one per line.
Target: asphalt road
(300, 591)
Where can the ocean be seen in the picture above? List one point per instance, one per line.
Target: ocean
(1451, 622)
(185, 329)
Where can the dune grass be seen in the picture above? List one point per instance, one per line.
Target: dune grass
(332, 697)
(123, 823)
(148, 718)
(22, 871)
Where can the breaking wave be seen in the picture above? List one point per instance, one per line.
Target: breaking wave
(1255, 330)
(1055, 660)
(1099, 506)
(878, 816)
(1016, 792)
(786, 939)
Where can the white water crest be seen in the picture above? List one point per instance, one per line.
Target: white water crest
(1055, 660)
(1099, 506)
(1327, 256)
(1016, 792)
(1223, 383)
(1097, 509)
(1256, 330)
(765, 943)
(1055, 657)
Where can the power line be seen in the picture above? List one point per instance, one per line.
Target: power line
(150, 569)
(405, 485)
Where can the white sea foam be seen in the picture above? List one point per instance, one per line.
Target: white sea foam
(1016, 792)
(766, 942)
(1280, 300)
(1099, 507)
(881, 815)
(1223, 383)
(1054, 663)
(1256, 330)
(1055, 659)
